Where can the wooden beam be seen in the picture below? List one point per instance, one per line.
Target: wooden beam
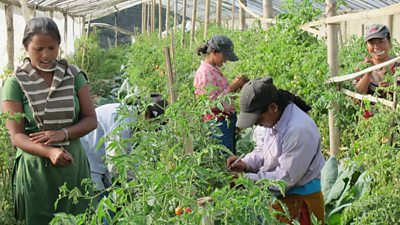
(333, 50)
(33, 6)
(368, 97)
(362, 72)
(9, 14)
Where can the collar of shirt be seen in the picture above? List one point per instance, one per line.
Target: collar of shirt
(282, 123)
(211, 67)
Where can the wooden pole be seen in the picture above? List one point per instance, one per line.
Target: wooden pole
(192, 30)
(175, 14)
(242, 16)
(268, 11)
(159, 19)
(167, 16)
(170, 75)
(184, 23)
(9, 13)
(206, 18)
(83, 26)
(116, 28)
(65, 33)
(143, 16)
(25, 10)
(233, 14)
(153, 16)
(218, 12)
(333, 49)
(148, 16)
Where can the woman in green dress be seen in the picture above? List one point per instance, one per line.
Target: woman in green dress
(57, 110)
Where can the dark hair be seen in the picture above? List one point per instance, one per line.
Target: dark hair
(283, 98)
(205, 49)
(40, 25)
(158, 106)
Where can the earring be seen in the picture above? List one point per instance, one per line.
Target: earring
(275, 110)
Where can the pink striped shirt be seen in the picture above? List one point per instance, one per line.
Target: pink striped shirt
(208, 76)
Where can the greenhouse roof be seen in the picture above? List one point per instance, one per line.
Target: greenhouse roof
(100, 8)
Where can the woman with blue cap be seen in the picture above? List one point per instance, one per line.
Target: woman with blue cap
(290, 150)
(210, 80)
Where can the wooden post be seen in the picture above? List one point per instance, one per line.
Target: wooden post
(242, 16)
(206, 17)
(143, 16)
(148, 16)
(25, 10)
(65, 33)
(175, 14)
(192, 30)
(268, 11)
(233, 14)
(9, 13)
(218, 12)
(87, 37)
(167, 16)
(332, 41)
(159, 19)
(153, 16)
(184, 23)
(116, 28)
(390, 24)
(83, 26)
(170, 75)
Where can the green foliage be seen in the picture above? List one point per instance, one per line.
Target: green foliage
(100, 65)
(6, 163)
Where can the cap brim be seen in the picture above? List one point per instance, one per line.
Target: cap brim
(231, 56)
(246, 120)
(374, 36)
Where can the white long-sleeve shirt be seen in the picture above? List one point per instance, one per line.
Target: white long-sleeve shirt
(290, 151)
(107, 121)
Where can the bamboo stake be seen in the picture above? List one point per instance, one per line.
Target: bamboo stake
(206, 17)
(65, 33)
(192, 30)
(268, 11)
(9, 14)
(153, 16)
(242, 15)
(87, 37)
(159, 19)
(143, 16)
(116, 28)
(167, 17)
(243, 5)
(148, 16)
(25, 10)
(170, 75)
(233, 14)
(332, 40)
(218, 13)
(184, 23)
(175, 14)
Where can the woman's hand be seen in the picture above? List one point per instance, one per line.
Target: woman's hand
(239, 166)
(60, 157)
(48, 137)
(238, 83)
